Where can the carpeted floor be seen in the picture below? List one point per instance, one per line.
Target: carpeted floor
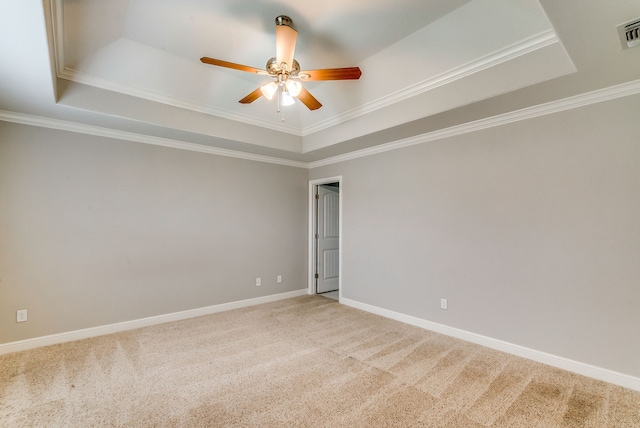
(302, 362)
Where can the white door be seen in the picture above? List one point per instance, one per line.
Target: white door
(327, 238)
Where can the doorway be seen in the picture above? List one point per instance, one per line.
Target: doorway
(325, 237)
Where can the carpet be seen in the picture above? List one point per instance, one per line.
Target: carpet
(301, 362)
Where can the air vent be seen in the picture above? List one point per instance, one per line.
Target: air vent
(629, 34)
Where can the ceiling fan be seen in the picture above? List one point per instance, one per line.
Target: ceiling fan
(285, 71)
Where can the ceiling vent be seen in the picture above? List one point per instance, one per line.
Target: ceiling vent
(629, 33)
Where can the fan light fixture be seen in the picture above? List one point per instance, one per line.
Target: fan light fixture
(293, 87)
(285, 71)
(287, 99)
(269, 89)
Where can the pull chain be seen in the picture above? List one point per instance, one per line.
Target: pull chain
(280, 105)
(279, 98)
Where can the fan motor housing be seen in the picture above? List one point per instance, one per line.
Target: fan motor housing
(273, 69)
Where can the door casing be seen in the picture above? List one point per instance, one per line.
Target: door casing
(311, 232)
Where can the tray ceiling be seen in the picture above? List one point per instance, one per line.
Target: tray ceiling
(150, 49)
(130, 69)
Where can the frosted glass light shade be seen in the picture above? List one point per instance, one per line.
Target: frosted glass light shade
(287, 99)
(269, 89)
(294, 87)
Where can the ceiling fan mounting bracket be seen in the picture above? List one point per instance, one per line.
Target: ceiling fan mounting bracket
(284, 20)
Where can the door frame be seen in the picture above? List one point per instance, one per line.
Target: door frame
(311, 235)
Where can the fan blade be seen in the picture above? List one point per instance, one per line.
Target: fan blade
(348, 73)
(233, 65)
(251, 97)
(285, 45)
(309, 100)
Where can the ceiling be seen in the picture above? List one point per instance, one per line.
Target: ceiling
(131, 68)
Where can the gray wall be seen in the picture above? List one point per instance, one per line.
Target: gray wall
(531, 230)
(96, 231)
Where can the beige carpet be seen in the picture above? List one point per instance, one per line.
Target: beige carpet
(303, 362)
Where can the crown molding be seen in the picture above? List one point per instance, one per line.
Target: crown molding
(523, 47)
(509, 53)
(45, 122)
(594, 97)
(98, 82)
(63, 72)
(582, 100)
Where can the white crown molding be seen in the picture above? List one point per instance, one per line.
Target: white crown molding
(578, 367)
(64, 125)
(70, 336)
(67, 73)
(523, 47)
(598, 96)
(98, 82)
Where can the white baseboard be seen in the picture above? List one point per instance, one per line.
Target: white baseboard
(594, 372)
(86, 333)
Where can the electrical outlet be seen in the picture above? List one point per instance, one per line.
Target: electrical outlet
(443, 304)
(21, 315)
(279, 279)
(258, 282)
